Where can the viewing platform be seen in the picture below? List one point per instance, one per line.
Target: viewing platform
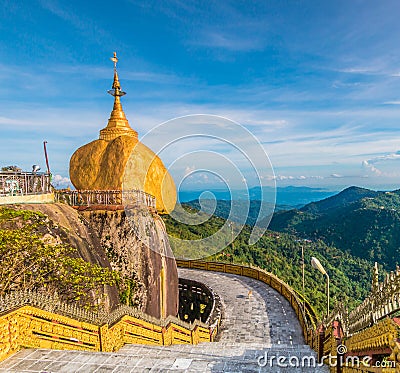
(25, 187)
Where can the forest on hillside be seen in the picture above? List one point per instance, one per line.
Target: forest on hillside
(280, 253)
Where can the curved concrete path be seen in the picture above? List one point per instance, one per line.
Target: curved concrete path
(264, 318)
(255, 332)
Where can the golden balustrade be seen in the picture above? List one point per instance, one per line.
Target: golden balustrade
(378, 336)
(384, 300)
(38, 320)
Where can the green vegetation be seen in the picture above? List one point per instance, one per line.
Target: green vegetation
(280, 253)
(234, 210)
(359, 221)
(32, 260)
(11, 169)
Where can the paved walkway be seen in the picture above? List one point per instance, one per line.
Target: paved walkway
(255, 330)
(263, 318)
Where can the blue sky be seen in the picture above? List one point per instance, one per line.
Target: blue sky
(317, 82)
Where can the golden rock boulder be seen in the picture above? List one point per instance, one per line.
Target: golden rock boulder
(119, 161)
(123, 163)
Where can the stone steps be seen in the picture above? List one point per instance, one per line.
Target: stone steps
(213, 349)
(205, 357)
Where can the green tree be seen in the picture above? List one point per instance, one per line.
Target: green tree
(32, 261)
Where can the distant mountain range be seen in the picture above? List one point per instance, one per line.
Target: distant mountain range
(360, 221)
(286, 197)
(236, 210)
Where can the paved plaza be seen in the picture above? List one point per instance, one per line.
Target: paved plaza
(255, 331)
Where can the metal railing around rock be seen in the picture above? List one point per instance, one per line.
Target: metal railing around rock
(105, 197)
(31, 319)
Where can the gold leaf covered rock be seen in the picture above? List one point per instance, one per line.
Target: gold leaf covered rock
(119, 161)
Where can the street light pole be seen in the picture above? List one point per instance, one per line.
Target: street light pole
(327, 292)
(303, 266)
(317, 265)
(232, 244)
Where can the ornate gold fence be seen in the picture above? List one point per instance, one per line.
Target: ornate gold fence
(383, 300)
(38, 320)
(32, 320)
(370, 333)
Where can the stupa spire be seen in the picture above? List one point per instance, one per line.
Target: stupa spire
(117, 125)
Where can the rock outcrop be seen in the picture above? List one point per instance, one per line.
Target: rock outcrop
(136, 242)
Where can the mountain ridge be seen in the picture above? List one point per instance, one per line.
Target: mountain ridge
(359, 221)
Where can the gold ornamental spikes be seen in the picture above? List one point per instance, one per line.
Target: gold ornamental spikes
(117, 125)
(116, 87)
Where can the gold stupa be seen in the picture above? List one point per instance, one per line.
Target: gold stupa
(118, 160)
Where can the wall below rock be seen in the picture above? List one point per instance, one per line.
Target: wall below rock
(137, 243)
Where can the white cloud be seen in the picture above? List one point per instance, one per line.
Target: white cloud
(230, 42)
(189, 170)
(391, 156)
(60, 181)
(360, 70)
(291, 177)
(371, 164)
(371, 167)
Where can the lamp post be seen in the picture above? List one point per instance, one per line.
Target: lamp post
(317, 265)
(232, 244)
(303, 278)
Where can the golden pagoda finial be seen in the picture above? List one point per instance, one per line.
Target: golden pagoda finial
(115, 60)
(117, 125)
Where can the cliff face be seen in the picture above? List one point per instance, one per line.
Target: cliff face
(132, 241)
(136, 242)
(66, 226)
